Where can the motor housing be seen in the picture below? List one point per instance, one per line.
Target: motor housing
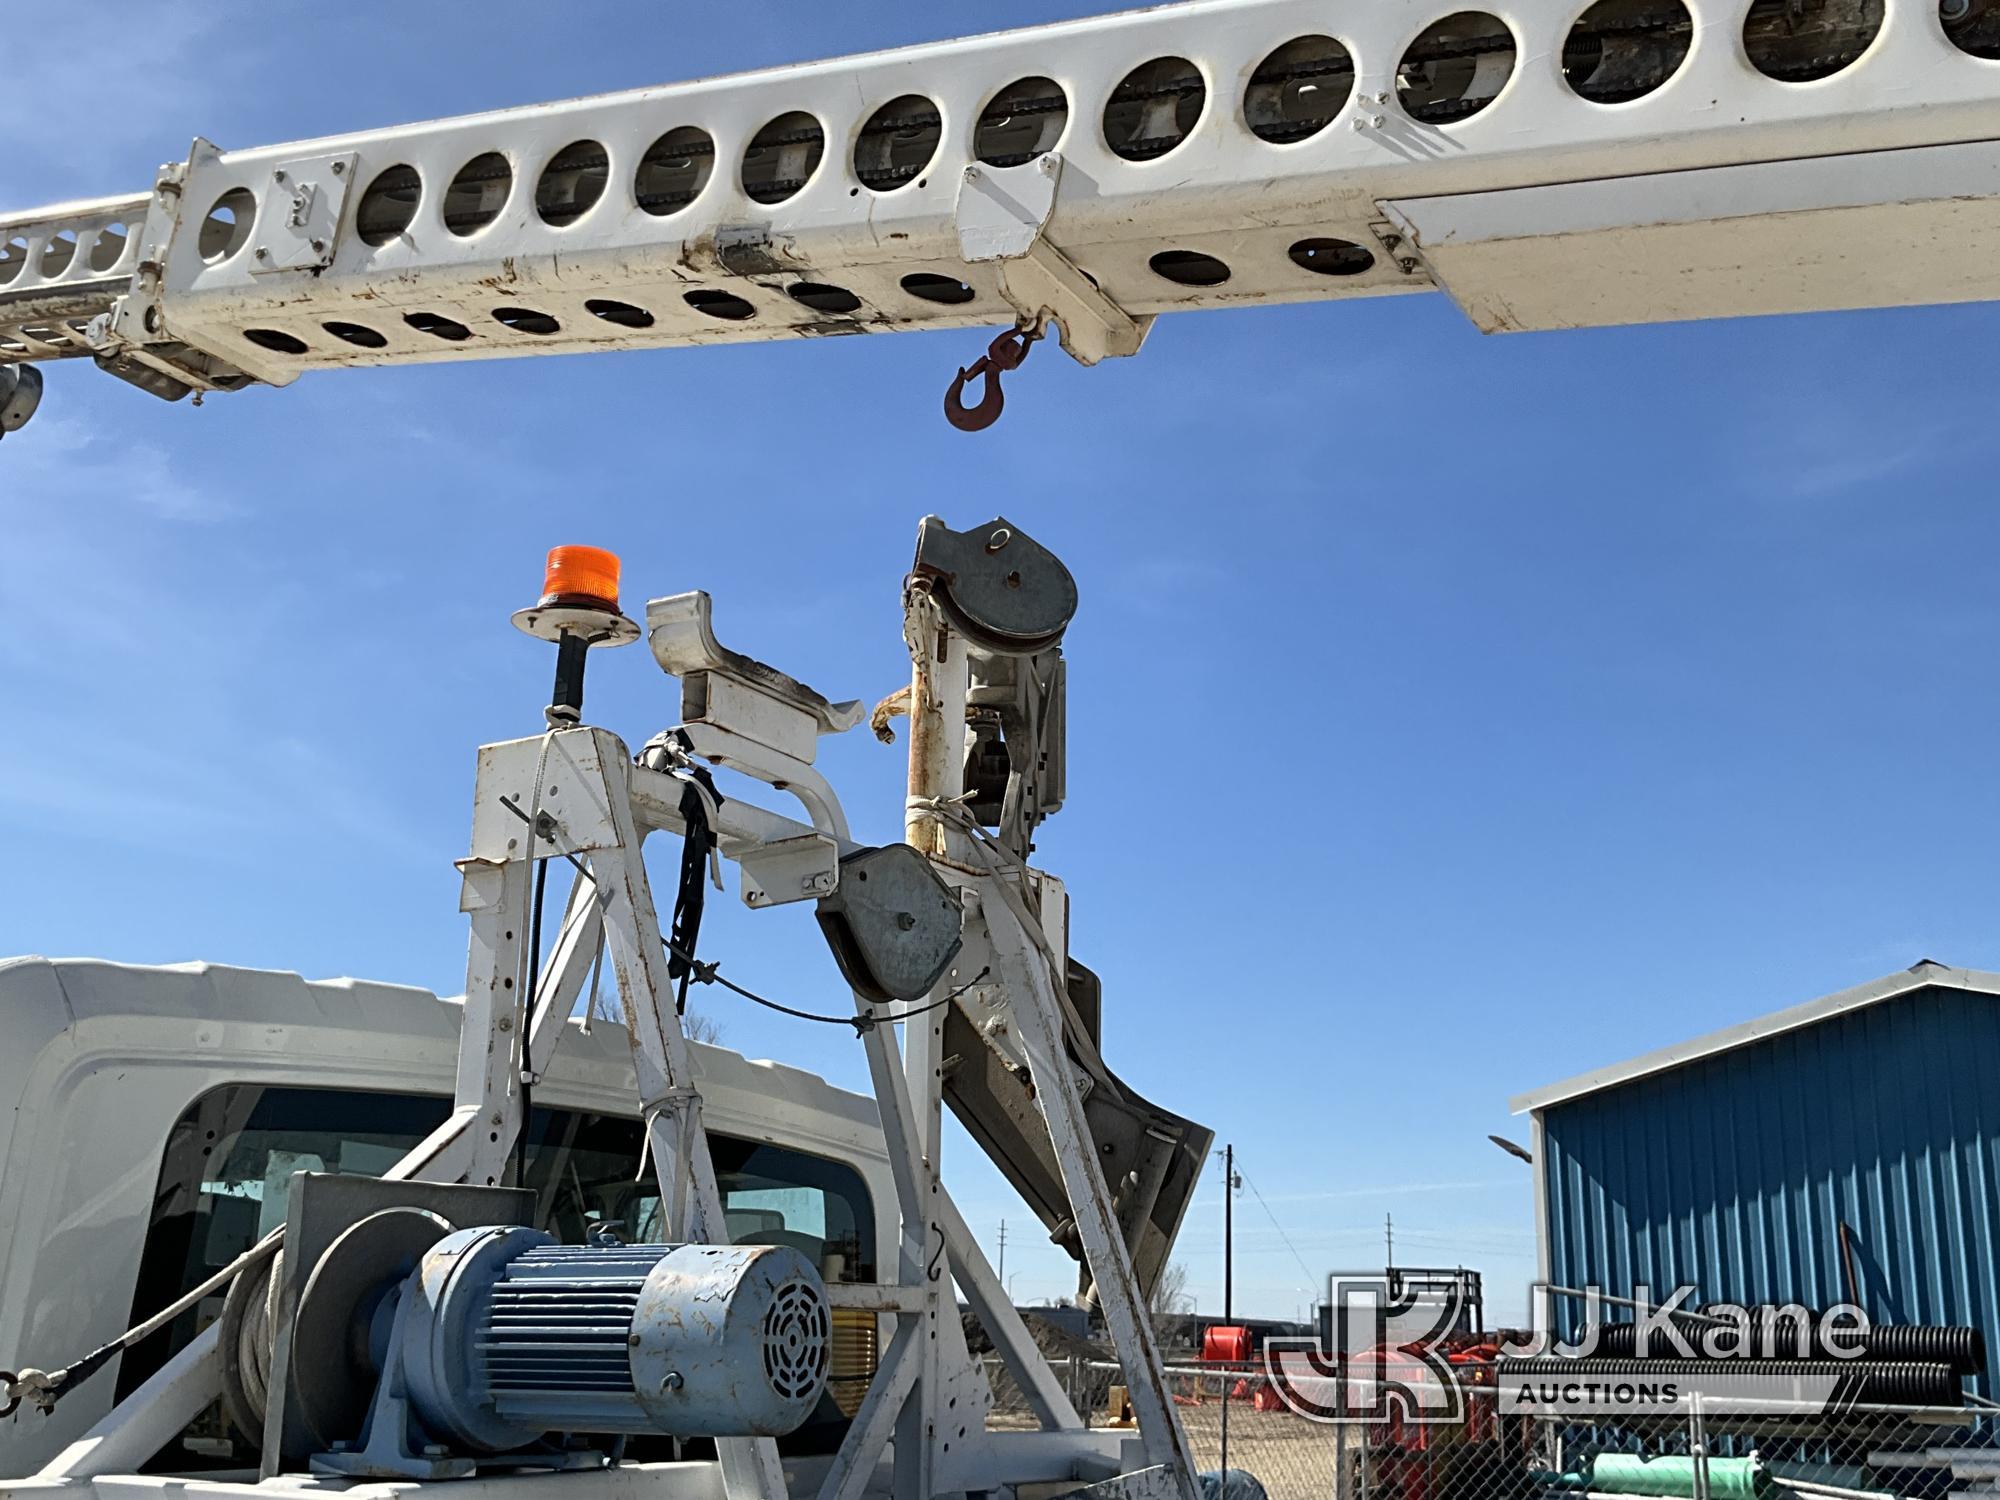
(510, 1335)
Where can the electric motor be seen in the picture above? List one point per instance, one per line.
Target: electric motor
(511, 1335)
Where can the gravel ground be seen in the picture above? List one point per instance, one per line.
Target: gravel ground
(1292, 1458)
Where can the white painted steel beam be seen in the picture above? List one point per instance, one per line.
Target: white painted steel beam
(148, 1419)
(779, 204)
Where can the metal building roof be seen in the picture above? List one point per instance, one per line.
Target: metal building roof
(1922, 975)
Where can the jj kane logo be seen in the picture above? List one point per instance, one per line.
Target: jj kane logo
(1390, 1349)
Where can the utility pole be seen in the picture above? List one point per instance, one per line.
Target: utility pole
(1230, 1182)
(1389, 1242)
(1003, 1254)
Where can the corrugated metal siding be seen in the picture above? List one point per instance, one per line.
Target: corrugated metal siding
(1733, 1173)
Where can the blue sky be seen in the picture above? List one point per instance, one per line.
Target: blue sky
(1448, 714)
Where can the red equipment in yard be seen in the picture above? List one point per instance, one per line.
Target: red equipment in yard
(1224, 1343)
(1415, 1460)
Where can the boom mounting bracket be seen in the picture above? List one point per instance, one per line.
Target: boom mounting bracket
(1003, 216)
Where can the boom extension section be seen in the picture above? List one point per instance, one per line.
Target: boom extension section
(1644, 161)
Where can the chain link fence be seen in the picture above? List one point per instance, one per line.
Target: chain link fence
(1709, 1450)
(1703, 1450)
(1232, 1417)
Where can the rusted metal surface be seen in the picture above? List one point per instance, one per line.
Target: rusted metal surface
(938, 686)
(892, 707)
(1007, 352)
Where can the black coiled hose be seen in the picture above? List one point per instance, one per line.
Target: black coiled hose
(1961, 1348)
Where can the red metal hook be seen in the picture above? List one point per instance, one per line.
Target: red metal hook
(1005, 353)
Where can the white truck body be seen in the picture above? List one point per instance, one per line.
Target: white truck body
(101, 1060)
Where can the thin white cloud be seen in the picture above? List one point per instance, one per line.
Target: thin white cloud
(1869, 461)
(60, 464)
(217, 798)
(149, 99)
(1836, 448)
(1387, 1190)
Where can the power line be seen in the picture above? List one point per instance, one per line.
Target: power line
(1311, 1276)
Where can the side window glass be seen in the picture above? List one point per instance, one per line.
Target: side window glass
(584, 1166)
(225, 1174)
(223, 1182)
(821, 1208)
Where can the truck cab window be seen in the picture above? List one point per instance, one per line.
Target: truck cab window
(228, 1161)
(223, 1181)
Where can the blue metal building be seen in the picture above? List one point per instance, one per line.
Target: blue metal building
(1731, 1162)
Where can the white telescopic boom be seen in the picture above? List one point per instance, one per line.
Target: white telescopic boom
(1649, 160)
